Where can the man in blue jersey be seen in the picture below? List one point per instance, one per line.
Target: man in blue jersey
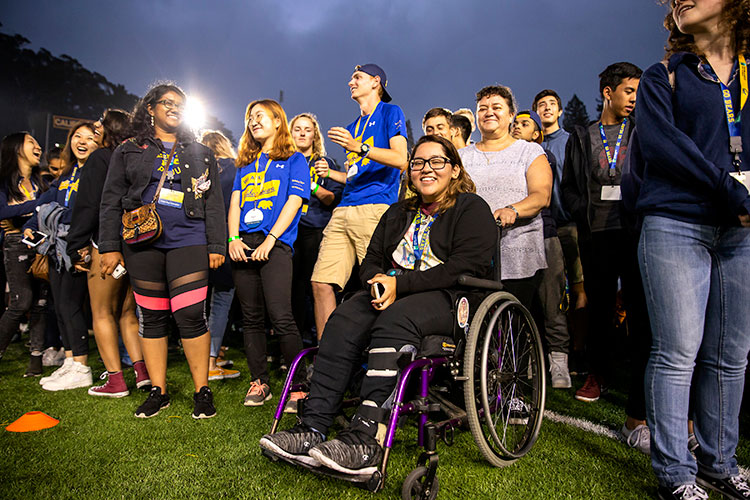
(375, 145)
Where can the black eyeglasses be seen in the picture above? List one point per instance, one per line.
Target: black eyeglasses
(436, 163)
(170, 104)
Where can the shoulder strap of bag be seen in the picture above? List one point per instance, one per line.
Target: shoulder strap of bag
(164, 174)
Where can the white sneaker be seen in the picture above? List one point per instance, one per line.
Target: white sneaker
(53, 357)
(79, 375)
(638, 438)
(67, 364)
(558, 368)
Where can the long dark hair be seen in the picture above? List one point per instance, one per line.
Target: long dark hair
(735, 18)
(115, 127)
(140, 125)
(10, 148)
(463, 184)
(68, 158)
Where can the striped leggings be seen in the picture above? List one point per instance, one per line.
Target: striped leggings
(169, 281)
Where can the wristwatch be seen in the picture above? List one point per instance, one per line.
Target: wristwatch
(364, 150)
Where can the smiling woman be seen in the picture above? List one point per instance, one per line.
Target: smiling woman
(163, 166)
(20, 186)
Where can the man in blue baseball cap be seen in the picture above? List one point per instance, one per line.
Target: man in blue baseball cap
(376, 154)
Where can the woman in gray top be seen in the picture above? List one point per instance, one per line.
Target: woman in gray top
(515, 179)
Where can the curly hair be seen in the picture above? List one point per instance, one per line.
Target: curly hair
(735, 18)
(283, 144)
(463, 184)
(502, 91)
(140, 124)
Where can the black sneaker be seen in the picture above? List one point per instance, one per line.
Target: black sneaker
(684, 492)
(35, 366)
(203, 403)
(352, 452)
(294, 444)
(735, 487)
(155, 402)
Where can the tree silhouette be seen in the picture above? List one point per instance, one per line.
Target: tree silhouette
(575, 114)
(34, 85)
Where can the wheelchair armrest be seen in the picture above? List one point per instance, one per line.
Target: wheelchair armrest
(472, 282)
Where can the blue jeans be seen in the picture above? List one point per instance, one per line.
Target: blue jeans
(697, 284)
(221, 303)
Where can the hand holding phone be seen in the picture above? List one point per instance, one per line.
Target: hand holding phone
(33, 238)
(119, 272)
(377, 290)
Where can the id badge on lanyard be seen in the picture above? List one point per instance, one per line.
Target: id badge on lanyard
(734, 124)
(612, 192)
(254, 217)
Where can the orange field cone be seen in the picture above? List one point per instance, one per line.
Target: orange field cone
(32, 421)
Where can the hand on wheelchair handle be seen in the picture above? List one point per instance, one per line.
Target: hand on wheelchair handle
(505, 217)
(388, 294)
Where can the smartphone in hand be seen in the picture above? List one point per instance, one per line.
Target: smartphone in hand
(377, 290)
(35, 239)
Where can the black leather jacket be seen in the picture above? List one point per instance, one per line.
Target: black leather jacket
(129, 174)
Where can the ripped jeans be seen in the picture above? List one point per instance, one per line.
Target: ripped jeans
(27, 294)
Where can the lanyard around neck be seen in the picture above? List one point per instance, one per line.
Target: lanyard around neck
(71, 182)
(418, 243)
(612, 159)
(733, 119)
(257, 186)
(26, 193)
(357, 135)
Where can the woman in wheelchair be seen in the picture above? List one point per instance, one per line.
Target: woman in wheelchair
(418, 251)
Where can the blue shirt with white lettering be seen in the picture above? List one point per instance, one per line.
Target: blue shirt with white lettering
(269, 189)
(368, 181)
(178, 229)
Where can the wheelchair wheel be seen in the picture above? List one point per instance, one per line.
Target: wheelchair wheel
(505, 386)
(413, 487)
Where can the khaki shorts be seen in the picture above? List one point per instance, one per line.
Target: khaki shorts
(345, 239)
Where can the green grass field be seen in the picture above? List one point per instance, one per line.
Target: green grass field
(99, 450)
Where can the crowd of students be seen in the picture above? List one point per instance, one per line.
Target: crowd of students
(654, 204)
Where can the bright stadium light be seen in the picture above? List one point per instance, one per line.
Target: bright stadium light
(195, 116)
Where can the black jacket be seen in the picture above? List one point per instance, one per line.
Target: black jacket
(576, 176)
(84, 225)
(130, 172)
(464, 238)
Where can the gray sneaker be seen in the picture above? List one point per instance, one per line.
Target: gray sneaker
(638, 438)
(352, 452)
(558, 368)
(294, 444)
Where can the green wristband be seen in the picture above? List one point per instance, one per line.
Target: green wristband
(316, 188)
(232, 238)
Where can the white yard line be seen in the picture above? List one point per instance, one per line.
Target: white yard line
(601, 430)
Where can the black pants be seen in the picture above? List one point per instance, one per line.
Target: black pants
(169, 282)
(353, 327)
(305, 254)
(607, 256)
(69, 291)
(525, 289)
(26, 294)
(260, 286)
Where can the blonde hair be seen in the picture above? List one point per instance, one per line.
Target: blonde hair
(318, 145)
(218, 143)
(283, 144)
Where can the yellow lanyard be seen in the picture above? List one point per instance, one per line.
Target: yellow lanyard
(28, 195)
(357, 136)
(257, 187)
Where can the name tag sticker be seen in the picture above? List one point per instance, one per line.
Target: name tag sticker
(171, 198)
(611, 193)
(743, 178)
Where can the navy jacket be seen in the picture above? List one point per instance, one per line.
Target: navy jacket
(130, 172)
(683, 141)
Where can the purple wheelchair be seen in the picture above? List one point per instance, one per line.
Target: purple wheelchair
(495, 355)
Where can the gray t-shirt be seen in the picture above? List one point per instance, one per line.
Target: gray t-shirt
(500, 177)
(605, 215)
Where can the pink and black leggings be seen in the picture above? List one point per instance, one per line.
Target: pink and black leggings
(169, 281)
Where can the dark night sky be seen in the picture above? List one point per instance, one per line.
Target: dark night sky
(436, 53)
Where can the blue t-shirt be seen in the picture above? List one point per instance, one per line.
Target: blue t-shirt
(315, 214)
(368, 181)
(179, 230)
(268, 191)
